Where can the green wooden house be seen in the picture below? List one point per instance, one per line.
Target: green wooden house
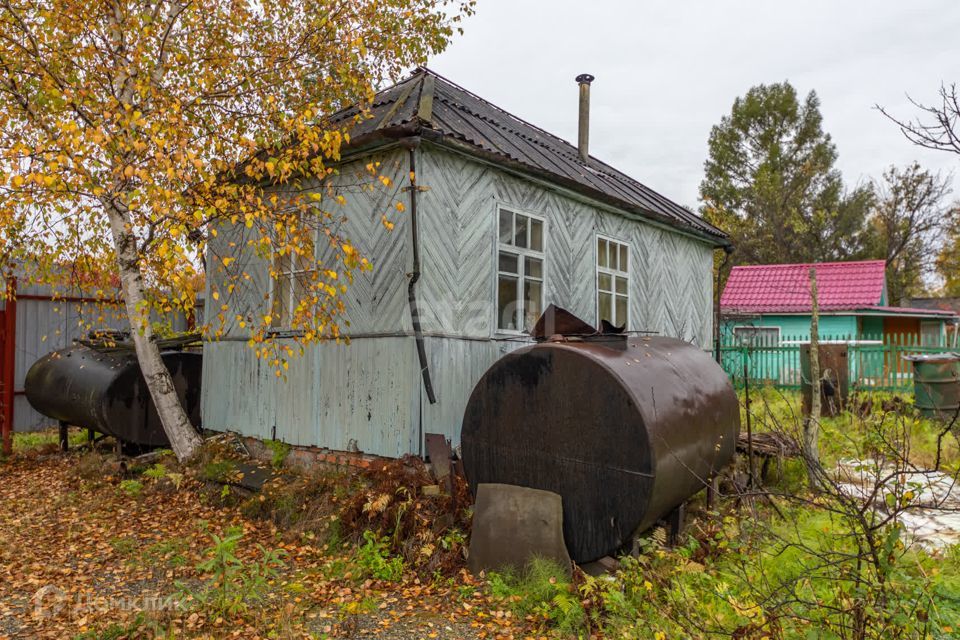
(766, 311)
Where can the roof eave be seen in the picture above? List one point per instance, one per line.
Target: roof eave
(718, 241)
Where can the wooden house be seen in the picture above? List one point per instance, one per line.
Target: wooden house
(508, 219)
(768, 304)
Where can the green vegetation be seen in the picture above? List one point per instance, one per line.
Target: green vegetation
(133, 488)
(544, 591)
(48, 438)
(280, 451)
(374, 559)
(218, 470)
(232, 582)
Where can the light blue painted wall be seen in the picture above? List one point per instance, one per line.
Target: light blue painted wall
(797, 327)
(369, 394)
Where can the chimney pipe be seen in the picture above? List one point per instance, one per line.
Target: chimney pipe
(583, 137)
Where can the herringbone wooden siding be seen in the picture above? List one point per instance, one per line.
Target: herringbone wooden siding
(369, 393)
(670, 288)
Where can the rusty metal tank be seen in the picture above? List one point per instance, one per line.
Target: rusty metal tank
(623, 429)
(104, 390)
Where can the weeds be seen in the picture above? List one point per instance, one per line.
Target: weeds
(133, 488)
(233, 584)
(375, 561)
(544, 591)
(279, 450)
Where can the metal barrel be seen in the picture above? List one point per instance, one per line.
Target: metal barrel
(104, 390)
(936, 384)
(624, 430)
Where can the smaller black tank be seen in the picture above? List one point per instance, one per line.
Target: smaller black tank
(104, 390)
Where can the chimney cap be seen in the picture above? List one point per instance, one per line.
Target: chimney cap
(585, 78)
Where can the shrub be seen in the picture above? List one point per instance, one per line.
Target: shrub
(374, 559)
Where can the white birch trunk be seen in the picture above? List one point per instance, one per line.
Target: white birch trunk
(184, 439)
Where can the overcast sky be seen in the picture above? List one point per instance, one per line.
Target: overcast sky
(668, 71)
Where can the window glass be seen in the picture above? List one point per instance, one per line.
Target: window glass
(536, 235)
(532, 302)
(757, 336)
(604, 281)
(506, 226)
(520, 231)
(606, 306)
(507, 308)
(534, 268)
(509, 262)
(620, 310)
(621, 285)
(601, 252)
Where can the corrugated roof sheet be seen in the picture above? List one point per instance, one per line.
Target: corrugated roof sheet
(785, 288)
(453, 114)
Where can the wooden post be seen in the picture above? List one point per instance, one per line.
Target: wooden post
(811, 426)
(64, 436)
(746, 397)
(7, 364)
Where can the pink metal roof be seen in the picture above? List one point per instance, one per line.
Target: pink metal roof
(785, 288)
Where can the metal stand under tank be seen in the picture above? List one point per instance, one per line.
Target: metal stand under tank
(623, 429)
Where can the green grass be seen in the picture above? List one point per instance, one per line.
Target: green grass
(26, 440)
(847, 434)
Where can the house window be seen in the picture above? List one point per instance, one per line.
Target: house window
(519, 270)
(613, 282)
(293, 278)
(930, 333)
(757, 336)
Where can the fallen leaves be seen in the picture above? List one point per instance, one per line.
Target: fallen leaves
(107, 558)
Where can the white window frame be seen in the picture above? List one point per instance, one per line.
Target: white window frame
(613, 273)
(522, 254)
(284, 321)
(752, 327)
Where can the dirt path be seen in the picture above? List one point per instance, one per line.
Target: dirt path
(81, 559)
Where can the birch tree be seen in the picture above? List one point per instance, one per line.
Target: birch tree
(130, 128)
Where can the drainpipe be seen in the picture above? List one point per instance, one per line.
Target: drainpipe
(727, 250)
(411, 145)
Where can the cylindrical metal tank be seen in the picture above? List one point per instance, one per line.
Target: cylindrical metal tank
(104, 390)
(623, 429)
(936, 384)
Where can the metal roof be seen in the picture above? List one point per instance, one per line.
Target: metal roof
(785, 288)
(429, 105)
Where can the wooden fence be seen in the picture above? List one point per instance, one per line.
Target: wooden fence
(874, 362)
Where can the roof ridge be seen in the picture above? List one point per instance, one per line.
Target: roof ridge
(833, 263)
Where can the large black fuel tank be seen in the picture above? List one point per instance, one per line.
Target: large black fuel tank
(624, 429)
(104, 390)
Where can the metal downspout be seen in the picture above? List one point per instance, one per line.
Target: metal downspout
(411, 144)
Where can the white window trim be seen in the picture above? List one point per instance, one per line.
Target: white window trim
(597, 270)
(521, 267)
(733, 330)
